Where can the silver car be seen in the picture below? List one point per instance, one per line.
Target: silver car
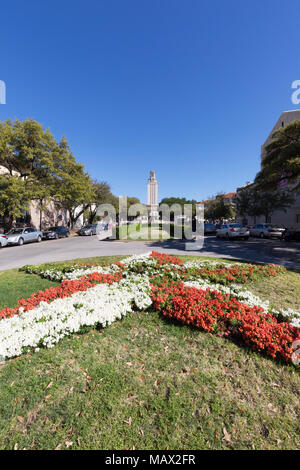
(88, 230)
(19, 236)
(267, 231)
(233, 231)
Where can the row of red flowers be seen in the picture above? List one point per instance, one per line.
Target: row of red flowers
(65, 289)
(221, 314)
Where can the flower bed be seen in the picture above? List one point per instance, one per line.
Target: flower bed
(66, 289)
(61, 271)
(47, 323)
(157, 263)
(222, 314)
(207, 295)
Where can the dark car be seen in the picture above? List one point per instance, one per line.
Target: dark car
(88, 230)
(209, 228)
(291, 235)
(56, 232)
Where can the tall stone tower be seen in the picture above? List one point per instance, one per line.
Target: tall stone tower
(152, 195)
(152, 199)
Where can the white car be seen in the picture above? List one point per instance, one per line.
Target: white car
(233, 231)
(3, 240)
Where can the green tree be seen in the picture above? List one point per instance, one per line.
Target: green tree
(101, 195)
(75, 189)
(47, 168)
(219, 209)
(281, 163)
(14, 198)
(181, 201)
(26, 153)
(251, 202)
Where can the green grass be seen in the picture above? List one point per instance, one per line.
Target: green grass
(15, 285)
(149, 232)
(147, 383)
(282, 291)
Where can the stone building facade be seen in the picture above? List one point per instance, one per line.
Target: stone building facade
(291, 217)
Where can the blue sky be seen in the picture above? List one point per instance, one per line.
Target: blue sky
(188, 88)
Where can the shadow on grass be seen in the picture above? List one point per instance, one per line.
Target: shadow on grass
(235, 340)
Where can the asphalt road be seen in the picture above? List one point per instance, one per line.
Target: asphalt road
(267, 251)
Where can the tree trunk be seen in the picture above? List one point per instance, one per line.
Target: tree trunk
(41, 213)
(92, 217)
(7, 221)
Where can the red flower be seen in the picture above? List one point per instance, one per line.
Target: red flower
(214, 312)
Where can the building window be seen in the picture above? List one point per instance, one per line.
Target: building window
(282, 124)
(297, 218)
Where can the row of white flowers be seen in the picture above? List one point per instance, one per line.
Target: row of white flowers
(48, 323)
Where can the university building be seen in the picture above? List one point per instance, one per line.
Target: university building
(290, 218)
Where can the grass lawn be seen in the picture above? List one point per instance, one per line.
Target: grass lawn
(147, 383)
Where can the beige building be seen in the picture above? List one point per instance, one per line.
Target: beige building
(290, 218)
(52, 214)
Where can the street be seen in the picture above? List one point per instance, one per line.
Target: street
(266, 251)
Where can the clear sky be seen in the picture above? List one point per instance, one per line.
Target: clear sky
(189, 88)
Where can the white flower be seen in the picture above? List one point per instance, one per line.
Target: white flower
(48, 323)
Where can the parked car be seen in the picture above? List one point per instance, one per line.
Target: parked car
(56, 232)
(3, 240)
(292, 235)
(267, 231)
(19, 236)
(233, 231)
(209, 228)
(88, 230)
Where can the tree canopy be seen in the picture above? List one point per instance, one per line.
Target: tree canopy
(181, 201)
(37, 167)
(281, 162)
(251, 202)
(218, 209)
